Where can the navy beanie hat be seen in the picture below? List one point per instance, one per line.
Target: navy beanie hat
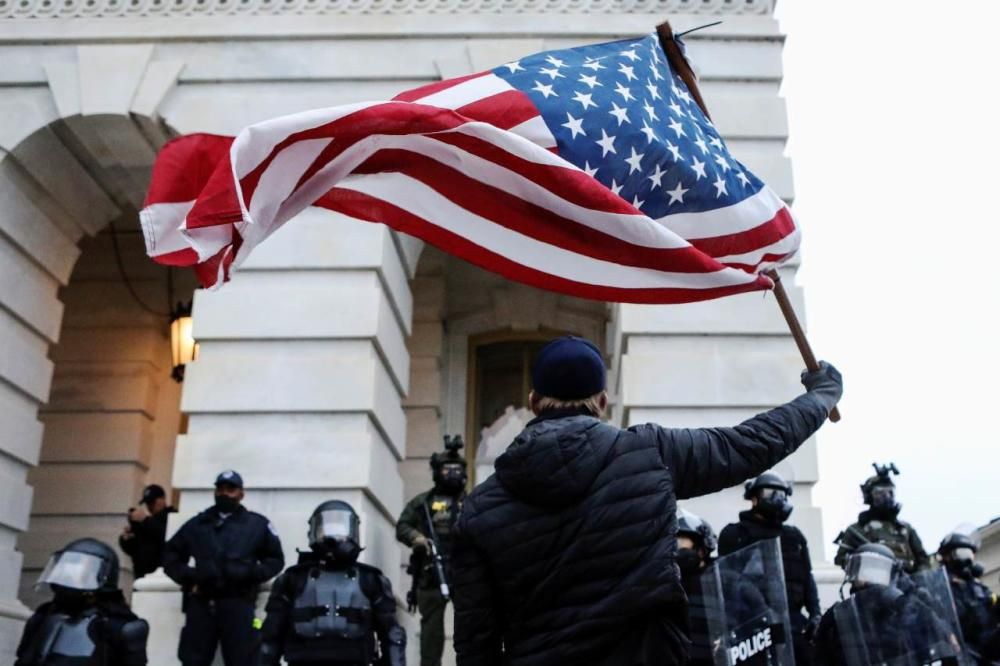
(569, 368)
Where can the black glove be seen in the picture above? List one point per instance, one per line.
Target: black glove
(809, 631)
(825, 384)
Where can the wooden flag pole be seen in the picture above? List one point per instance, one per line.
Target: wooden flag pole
(680, 65)
(795, 327)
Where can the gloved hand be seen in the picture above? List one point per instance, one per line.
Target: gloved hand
(825, 383)
(420, 542)
(809, 631)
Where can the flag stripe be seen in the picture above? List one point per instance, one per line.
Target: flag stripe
(437, 86)
(373, 209)
(529, 219)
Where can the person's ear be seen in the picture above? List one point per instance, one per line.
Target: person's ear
(533, 402)
(602, 401)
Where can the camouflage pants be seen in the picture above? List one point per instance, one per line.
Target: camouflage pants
(431, 605)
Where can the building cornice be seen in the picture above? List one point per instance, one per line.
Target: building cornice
(153, 9)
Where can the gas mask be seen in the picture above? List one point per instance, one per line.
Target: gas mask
(962, 562)
(450, 478)
(773, 505)
(883, 503)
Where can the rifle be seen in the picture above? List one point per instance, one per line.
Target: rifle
(435, 553)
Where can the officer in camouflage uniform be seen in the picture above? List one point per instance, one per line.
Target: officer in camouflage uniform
(975, 604)
(441, 505)
(881, 524)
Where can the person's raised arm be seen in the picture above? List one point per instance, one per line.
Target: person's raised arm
(706, 460)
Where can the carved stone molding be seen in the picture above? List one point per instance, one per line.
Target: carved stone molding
(35, 9)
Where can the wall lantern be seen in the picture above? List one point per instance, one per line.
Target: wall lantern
(183, 347)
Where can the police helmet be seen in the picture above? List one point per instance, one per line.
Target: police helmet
(690, 525)
(872, 564)
(334, 520)
(85, 565)
(766, 480)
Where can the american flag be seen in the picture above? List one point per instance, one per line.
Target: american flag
(589, 171)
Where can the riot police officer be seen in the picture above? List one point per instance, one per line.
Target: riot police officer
(975, 604)
(87, 622)
(886, 619)
(233, 551)
(770, 507)
(880, 523)
(427, 525)
(329, 608)
(696, 541)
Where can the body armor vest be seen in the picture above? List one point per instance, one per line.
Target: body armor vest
(67, 640)
(332, 619)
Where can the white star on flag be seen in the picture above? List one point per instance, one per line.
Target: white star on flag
(607, 143)
(677, 194)
(634, 161)
(619, 113)
(575, 125)
(720, 186)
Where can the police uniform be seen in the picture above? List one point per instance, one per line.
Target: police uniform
(898, 535)
(770, 494)
(976, 607)
(330, 609)
(444, 511)
(233, 552)
(85, 624)
(317, 614)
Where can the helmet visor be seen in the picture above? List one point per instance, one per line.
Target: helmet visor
(333, 524)
(870, 568)
(963, 554)
(78, 571)
(773, 494)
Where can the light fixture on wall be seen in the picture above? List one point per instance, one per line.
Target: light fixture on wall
(183, 348)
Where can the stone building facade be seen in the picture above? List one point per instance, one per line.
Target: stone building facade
(341, 352)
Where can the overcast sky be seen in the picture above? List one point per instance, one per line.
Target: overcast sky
(895, 127)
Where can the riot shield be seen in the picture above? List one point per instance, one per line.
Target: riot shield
(935, 588)
(885, 626)
(747, 608)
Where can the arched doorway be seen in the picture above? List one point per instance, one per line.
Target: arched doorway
(76, 156)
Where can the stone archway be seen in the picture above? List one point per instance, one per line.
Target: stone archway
(76, 155)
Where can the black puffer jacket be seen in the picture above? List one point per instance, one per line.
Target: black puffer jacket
(566, 554)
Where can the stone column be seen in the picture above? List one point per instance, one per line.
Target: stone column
(301, 370)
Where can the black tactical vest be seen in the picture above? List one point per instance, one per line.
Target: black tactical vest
(332, 618)
(67, 640)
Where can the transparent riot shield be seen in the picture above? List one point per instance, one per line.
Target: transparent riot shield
(744, 595)
(885, 626)
(934, 587)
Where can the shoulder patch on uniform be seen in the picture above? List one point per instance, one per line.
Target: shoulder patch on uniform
(272, 528)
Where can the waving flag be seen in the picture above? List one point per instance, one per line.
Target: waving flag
(588, 171)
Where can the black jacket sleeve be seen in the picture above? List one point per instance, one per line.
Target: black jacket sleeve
(478, 634)
(729, 539)
(270, 557)
(24, 648)
(176, 554)
(130, 644)
(921, 560)
(391, 636)
(707, 460)
(812, 593)
(276, 623)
